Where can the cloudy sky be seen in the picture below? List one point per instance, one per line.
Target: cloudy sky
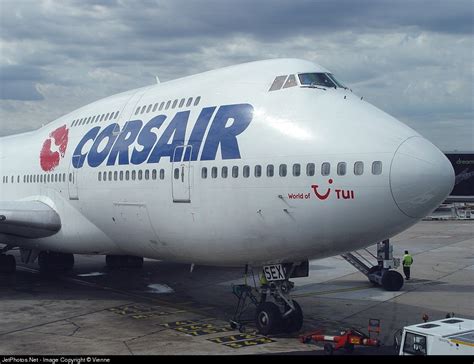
(413, 59)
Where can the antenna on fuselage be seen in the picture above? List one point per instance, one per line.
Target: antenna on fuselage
(157, 79)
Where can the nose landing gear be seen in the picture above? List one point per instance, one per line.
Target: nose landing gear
(275, 310)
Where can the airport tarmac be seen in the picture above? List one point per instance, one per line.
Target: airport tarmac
(165, 309)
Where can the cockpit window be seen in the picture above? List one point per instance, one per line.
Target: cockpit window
(319, 79)
(290, 82)
(339, 84)
(278, 83)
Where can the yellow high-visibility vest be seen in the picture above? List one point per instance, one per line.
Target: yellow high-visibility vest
(407, 260)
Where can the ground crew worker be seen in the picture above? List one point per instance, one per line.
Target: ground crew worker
(407, 262)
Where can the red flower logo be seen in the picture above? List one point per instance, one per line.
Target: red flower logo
(49, 159)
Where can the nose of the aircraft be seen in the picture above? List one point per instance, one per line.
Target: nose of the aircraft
(421, 177)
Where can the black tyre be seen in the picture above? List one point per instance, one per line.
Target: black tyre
(11, 263)
(54, 262)
(68, 261)
(294, 321)
(44, 262)
(133, 262)
(113, 261)
(349, 348)
(392, 281)
(7, 264)
(374, 270)
(268, 318)
(329, 349)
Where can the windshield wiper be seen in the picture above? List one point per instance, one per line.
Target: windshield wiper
(313, 85)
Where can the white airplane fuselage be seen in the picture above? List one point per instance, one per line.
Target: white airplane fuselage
(231, 221)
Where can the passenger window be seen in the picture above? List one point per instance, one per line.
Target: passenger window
(341, 168)
(174, 104)
(246, 172)
(325, 169)
(134, 175)
(377, 167)
(162, 174)
(176, 173)
(235, 171)
(121, 175)
(296, 169)
(155, 107)
(140, 175)
(161, 106)
(102, 117)
(153, 174)
(270, 170)
(196, 102)
(89, 120)
(358, 168)
(282, 170)
(190, 100)
(224, 172)
(290, 82)
(106, 117)
(110, 176)
(104, 176)
(258, 171)
(147, 174)
(181, 103)
(168, 105)
(93, 119)
(204, 172)
(214, 172)
(100, 176)
(277, 83)
(127, 175)
(115, 175)
(116, 114)
(310, 169)
(143, 109)
(149, 108)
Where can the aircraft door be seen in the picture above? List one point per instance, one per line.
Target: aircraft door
(72, 181)
(181, 174)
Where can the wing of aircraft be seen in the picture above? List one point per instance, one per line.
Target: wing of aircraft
(28, 219)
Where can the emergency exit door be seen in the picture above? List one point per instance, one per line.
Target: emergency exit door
(181, 174)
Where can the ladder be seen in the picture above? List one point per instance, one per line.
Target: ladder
(361, 263)
(380, 273)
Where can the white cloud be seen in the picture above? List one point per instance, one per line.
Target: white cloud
(414, 62)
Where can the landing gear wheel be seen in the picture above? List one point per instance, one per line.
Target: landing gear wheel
(349, 348)
(372, 270)
(392, 281)
(268, 318)
(294, 321)
(328, 349)
(123, 261)
(7, 264)
(53, 262)
(112, 261)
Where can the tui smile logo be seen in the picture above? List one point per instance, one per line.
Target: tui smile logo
(54, 149)
(322, 196)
